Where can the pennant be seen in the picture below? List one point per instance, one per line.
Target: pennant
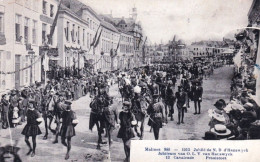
(95, 37)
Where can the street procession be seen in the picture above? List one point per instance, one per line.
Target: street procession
(79, 81)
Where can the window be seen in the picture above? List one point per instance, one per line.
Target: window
(88, 22)
(73, 33)
(44, 26)
(35, 5)
(34, 32)
(83, 37)
(90, 26)
(26, 30)
(27, 70)
(67, 31)
(44, 7)
(18, 20)
(88, 41)
(78, 35)
(51, 40)
(51, 10)
(1, 23)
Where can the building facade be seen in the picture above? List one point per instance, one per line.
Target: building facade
(23, 29)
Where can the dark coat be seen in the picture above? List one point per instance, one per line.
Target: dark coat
(197, 92)
(67, 128)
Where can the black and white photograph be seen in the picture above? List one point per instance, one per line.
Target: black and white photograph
(82, 79)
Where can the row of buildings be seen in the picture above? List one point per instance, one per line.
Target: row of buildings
(30, 31)
(177, 50)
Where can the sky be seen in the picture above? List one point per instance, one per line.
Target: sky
(189, 20)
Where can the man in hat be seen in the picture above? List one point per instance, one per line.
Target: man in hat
(59, 108)
(197, 92)
(67, 130)
(126, 132)
(170, 99)
(181, 103)
(13, 103)
(5, 111)
(156, 110)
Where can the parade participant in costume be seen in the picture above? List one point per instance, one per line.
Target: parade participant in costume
(197, 92)
(111, 115)
(59, 108)
(31, 128)
(67, 131)
(181, 103)
(156, 110)
(127, 119)
(5, 111)
(170, 98)
(13, 103)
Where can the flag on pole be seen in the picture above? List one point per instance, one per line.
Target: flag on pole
(97, 42)
(54, 24)
(95, 37)
(118, 43)
(238, 58)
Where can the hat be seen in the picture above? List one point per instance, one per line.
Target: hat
(13, 92)
(3, 95)
(220, 130)
(217, 116)
(127, 103)
(137, 89)
(127, 82)
(218, 104)
(142, 84)
(155, 95)
(68, 102)
(31, 101)
(248, 105)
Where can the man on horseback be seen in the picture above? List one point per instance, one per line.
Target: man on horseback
(99, 103)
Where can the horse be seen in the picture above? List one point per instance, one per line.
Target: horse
(48, 113)
(97, 118)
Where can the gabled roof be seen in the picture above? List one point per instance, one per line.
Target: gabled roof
(109, 26)
(77, 7)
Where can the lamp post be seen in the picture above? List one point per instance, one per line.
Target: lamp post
(45, 49)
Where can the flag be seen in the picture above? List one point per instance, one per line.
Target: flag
(118, 43)
(97, 42)
(54, 23)
(238, 58)
(95, 37)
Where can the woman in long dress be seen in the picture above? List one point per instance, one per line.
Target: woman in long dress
(31, 128)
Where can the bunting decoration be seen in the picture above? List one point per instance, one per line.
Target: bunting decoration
(22, 69)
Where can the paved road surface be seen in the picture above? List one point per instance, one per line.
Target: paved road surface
(84, 144)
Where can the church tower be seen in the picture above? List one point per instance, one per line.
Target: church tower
(134, 13)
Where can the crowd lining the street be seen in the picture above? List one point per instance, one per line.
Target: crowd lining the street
(146, 92)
